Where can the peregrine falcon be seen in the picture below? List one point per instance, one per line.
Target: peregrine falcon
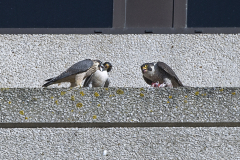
(76, 73)
(160, 75)
(100, 77)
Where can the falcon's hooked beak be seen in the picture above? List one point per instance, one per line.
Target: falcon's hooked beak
(144, 68)
(101, 67)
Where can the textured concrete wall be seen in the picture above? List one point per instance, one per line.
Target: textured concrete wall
(120, 143)
(199, 60)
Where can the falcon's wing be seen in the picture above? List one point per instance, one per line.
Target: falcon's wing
(107, 83)
(169, 70)
(148, 81)
(87, 81)
(78, 67)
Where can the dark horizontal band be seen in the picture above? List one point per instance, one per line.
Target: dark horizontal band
(112, 125)
(119, 31)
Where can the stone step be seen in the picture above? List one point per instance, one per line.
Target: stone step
(120, 105)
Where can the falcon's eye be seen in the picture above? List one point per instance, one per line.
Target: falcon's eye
(107, 66)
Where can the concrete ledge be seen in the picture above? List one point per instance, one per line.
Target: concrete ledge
(120, 105)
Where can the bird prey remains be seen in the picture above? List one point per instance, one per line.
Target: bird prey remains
(160, 75)
(100, 77)
(76, 73)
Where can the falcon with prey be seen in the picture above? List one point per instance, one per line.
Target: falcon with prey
(160, 75)
(100, 77)
(76, 73)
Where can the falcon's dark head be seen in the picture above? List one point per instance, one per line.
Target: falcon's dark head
(146, 67)
(108, 66)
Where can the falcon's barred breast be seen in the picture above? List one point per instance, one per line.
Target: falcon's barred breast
(161, 73)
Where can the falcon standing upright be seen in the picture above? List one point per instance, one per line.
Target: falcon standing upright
(100, 77)
(76, 73)
(160, 73)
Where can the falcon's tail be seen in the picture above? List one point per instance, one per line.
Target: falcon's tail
(48, 84)
(49, 79)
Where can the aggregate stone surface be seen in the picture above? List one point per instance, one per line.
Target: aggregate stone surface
(200, 60)
(183, 104)
(120, 143)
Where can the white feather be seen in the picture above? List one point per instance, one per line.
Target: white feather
(99, 78)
